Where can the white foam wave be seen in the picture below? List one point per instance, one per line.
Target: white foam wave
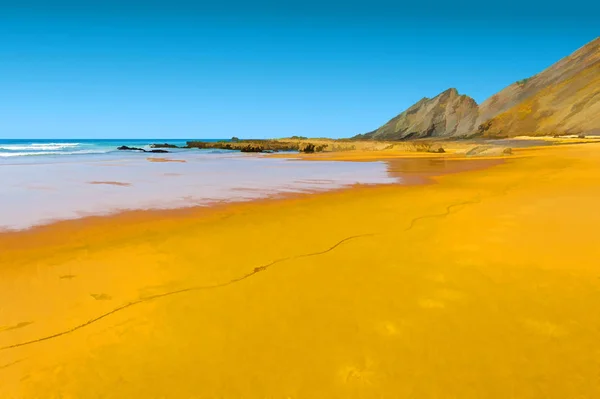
(23, 154)
(55, 144)
(38, 146)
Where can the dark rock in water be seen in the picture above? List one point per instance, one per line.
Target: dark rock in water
(125, 148)
(165, 145)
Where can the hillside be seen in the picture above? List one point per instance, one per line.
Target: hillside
(562, 99)
(571, 106)
(564, 70)
(444, 115)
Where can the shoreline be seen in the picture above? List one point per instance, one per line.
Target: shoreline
(405, 177)
(75, 190)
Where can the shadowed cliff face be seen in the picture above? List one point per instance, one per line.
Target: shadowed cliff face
(563, 99)
(444, 115)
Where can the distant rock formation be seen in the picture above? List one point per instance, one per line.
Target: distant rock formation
(246, 145)
(260, 145)
(563, 99)
(164, 145)
(447, 114)
(126, 148)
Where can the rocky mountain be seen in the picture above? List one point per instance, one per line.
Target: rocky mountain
(444, 115)
(563, 99)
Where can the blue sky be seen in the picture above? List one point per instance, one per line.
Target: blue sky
(193, 69)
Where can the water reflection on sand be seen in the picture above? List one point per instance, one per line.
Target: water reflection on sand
(54, 189)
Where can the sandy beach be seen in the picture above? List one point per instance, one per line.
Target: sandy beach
(477, 280)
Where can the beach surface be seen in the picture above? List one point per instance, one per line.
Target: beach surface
(38, 190)
(480, 283)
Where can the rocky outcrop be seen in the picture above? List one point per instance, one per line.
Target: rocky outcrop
(448, 114)
(164, 145)
(126, 148)
(252, 148)
(246, 145)
(260, 145)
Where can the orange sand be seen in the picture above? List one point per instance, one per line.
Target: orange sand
(484, 285)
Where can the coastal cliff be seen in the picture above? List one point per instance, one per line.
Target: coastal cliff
(563, 99)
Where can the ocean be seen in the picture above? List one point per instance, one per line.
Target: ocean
(54, 148)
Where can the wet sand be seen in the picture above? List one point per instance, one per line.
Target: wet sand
(113, 183)
(482, 283)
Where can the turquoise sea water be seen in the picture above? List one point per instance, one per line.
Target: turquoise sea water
(37, 148)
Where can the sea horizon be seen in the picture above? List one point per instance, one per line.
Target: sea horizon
(54, 147)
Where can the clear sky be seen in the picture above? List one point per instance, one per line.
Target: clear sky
(194, 69)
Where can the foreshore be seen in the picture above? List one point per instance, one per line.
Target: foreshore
(48, 190)
(478, 279)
